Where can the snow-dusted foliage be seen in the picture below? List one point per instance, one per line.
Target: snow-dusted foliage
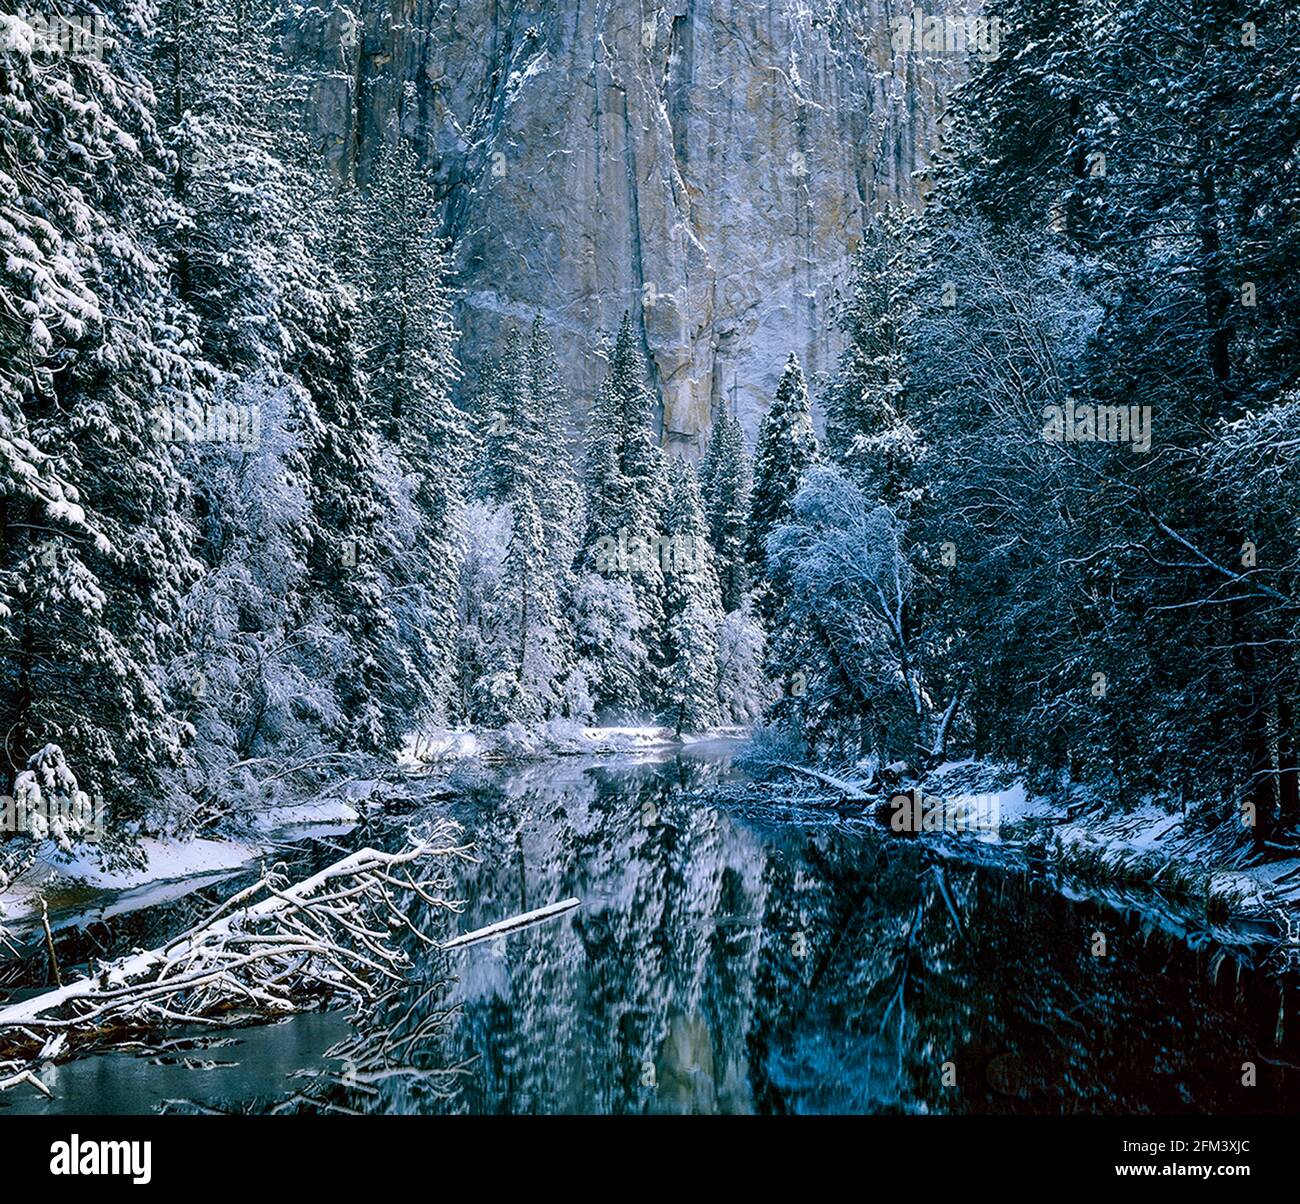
(786, 449)
(692, 608)
(94, 547)
(725, 483)
(250, 678)
(1060, 528)
(744, 692)
(229, 540)
(842, 645)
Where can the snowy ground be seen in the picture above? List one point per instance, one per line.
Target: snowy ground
(1145, 843)
(194, 863)
(172, 868)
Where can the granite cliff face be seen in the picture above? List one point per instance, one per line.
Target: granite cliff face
(705, 164)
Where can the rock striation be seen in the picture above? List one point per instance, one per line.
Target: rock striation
(705, 164)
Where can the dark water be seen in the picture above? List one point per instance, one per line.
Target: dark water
(727, 961)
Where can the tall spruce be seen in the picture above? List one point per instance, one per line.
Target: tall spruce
(786, 449)
(409, 354)
(724, 476)
(626, 491)
(692, 608)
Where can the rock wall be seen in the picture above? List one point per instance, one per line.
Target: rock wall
(705, 164)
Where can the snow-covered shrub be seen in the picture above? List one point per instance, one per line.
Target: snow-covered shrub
(609, 638)
(770, 745)
(743, 689)
(575, 697)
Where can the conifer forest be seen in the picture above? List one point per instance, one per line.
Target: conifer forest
(651, 556)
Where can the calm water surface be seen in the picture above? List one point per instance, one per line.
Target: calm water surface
(726, 960)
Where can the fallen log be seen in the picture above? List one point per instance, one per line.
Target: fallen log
(525, 920)
(852, 789)
(268, 950)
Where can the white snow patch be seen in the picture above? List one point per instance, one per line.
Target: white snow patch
(331, 812)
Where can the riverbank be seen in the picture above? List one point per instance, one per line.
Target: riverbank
(1208, 871)
(168, 869)
(557, 738)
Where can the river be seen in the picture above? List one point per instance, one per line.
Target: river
(724, 960)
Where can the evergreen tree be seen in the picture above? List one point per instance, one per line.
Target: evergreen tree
(94, 547)
(692, 608)
(526, 471)
(514, 452)
(559, 498)
(786, 448)
(412, 368)
(529, 643)
(724, 475)
(373, 676)
(625, 485)
(867, 429)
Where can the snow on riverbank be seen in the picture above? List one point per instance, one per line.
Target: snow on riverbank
(1149, 844)
(1085, 836)
(166, 862)
(559, 737)
(1144, 844)
(171, 868)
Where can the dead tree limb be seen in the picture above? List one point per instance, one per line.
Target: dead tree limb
(269, 950)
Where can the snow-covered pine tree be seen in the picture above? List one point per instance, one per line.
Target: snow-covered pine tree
(724, 477)
(409, 337)
(559, 499)
(242, 235)
(626, 487)
(524, 648)
(692, 608)
(94, 548)
(515, 451)
(529, 639)
(348, 556)
(692, 694)
(786, 448)
(866, 423)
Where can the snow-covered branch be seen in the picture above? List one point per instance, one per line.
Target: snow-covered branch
(270, 949)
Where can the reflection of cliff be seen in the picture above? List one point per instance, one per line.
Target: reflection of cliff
(716, 966)
(703, 163)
